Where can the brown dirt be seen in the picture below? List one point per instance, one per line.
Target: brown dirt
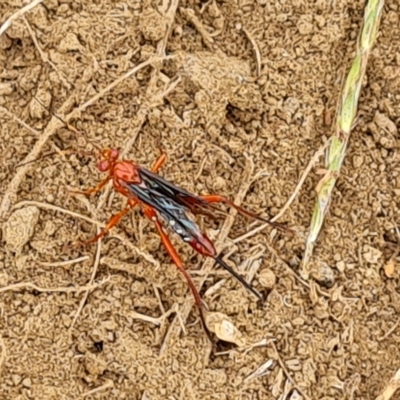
(335, 343)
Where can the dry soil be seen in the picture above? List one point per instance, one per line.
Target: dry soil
(247, 100)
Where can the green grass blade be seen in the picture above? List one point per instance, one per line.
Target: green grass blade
(345, 120)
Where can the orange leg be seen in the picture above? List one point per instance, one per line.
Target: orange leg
(93, 190)
(214, 198)
(150, 213)
(159, 162)
(112, 222)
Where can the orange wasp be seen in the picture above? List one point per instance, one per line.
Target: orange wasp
(168, 206)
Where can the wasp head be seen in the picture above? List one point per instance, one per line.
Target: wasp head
(108, 158)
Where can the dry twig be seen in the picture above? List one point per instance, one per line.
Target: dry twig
(53, 125)
(94, 272)
(30, 285)
(190, 15)
(18, 14)
(28, 127)
(389, 332)
(124, 240)
(45, 58)
(293, 196)
(256, 50)
(63, 263)
(109, 384)
(391, 387)
(3, 356)
(151, 60)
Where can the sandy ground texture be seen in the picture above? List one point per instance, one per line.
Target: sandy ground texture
(245, 103)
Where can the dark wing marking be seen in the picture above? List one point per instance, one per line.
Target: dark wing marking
(162, 196)
(194, 203)
(166, 188)
(173, 213)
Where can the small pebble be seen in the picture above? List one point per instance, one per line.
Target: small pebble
(324, 275)
(27, 382)
(16, 379)
(20, 227)
(223, 327)
(267, 278)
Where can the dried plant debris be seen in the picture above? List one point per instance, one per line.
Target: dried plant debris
(222, 326)
(20, 227)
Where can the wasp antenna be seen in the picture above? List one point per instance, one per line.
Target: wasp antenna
(238, 277)
(70, 127)
(61, 152)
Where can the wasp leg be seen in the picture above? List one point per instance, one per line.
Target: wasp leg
(150, 213)
(214, 198)
(112, 222)
(92, 190)
(159, 162)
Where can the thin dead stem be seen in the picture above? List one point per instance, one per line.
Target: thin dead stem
(156, 321)
(18, 14)
(288, 376)
(63, 263)
(190, 15)
(291, 199)
(124, 240)
(310, 166)
(256, 50)
(112, 85)
(28, 127)
(30, 285)
(20, 121)
(390, 331)
(157, 98)
(10, 193)
(288, 269)
(391, 387)
(3, 355)
(45, 58)
(157, 293)
(94, 272)
(109, 384)
(202, 164)
(169, 16)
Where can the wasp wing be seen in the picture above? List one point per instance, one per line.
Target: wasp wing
(194, 203)
(172, 212)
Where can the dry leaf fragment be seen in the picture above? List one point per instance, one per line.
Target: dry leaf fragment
(390, 268)
(222, 326)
